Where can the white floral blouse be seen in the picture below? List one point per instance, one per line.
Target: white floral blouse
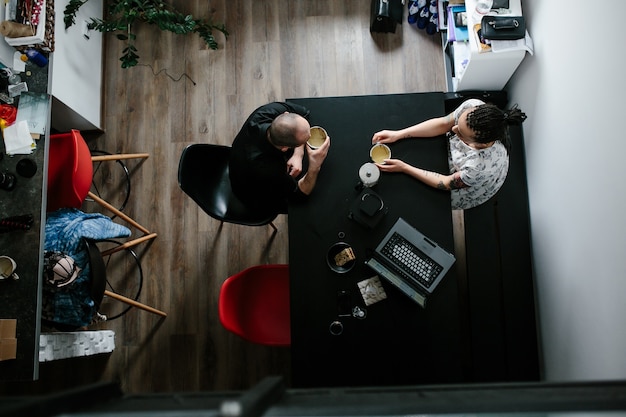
(483, 171)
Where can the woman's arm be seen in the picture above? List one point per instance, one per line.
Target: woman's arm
(434, 179)
(426, 129)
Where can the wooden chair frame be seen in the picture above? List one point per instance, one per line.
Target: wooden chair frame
(148, 235)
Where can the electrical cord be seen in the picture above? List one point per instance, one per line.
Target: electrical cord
(184, 74)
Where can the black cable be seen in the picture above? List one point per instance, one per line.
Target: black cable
(184, 74)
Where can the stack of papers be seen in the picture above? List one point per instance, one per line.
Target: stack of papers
(525, 44)
(17, 139)
(30, 122)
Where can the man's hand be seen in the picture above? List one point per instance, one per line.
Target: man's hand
(317, 156)
(316, 159)
(294, 165)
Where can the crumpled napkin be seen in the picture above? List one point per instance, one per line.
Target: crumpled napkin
(17, 139)
(372, 290)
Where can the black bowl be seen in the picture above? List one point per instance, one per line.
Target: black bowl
(26, 167)
(330, 258)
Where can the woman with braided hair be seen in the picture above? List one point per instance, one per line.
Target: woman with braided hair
(478, 157)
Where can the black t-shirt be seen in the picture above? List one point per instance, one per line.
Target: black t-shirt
(258, 170)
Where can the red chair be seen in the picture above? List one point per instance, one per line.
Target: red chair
(254, 304)
(70, 173)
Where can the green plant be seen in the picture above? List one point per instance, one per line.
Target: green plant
(121, 15)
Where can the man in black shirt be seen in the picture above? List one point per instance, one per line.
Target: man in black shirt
(267, 165)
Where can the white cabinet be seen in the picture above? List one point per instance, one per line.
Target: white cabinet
(470, 69)
(76, 82)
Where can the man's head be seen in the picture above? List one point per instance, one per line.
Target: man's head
(289, 130)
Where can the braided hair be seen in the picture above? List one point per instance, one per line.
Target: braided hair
(489, 123)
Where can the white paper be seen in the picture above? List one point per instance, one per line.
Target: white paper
(18, 64)
(17, 139)
(525, 43)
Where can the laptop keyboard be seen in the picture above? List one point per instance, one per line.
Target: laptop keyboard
(416, 264)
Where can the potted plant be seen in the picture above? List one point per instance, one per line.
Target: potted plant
(121, 15)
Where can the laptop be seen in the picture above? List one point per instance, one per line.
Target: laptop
(410, 261)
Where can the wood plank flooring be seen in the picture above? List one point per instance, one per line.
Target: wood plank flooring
(277, 49)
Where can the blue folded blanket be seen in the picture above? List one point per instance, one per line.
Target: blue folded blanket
(66, 228)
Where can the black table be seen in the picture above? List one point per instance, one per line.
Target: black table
(21, 299)
(398, 342)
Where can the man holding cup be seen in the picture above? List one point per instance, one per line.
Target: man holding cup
(268, 167)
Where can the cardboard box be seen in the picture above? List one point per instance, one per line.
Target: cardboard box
(8, 340)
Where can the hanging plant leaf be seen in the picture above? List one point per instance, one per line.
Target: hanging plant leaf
(129, 57)
(71, 9)
(122, 14)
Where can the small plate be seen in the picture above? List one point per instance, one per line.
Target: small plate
(330, 258)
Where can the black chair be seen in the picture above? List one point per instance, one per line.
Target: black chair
(203, 176)
(98, 273)
(99, 282)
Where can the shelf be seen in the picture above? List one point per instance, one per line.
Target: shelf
(467, 68)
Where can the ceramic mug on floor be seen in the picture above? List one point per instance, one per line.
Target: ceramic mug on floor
(7, 268)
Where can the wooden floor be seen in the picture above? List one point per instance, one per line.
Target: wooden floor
(277, 49)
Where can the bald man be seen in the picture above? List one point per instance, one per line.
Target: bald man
(270, 163)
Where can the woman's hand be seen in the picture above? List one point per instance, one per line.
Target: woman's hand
(385, 136)
(393, 165)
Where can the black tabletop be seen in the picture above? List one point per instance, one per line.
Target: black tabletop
(398, 342)
(21, 299)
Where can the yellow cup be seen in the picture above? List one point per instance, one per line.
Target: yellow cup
(318, 136)
(379, 153)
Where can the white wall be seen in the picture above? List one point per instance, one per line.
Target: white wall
(77, 70)
(573, 92)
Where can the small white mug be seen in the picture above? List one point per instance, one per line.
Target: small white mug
(7, 268)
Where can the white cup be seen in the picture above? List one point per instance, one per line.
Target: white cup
(7, 268)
